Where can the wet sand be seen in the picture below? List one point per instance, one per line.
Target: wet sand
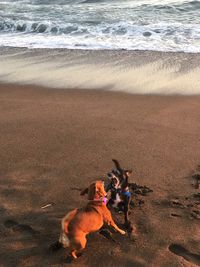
(53, 142)
(135, 72)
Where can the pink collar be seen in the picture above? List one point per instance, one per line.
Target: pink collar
(103, 199)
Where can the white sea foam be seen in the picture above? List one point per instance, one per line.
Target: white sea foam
(101, 24)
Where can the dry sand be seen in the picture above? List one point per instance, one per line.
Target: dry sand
(55, 141)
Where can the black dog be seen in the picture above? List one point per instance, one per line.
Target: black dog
(120, 192)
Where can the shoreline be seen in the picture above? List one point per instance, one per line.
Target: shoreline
(97, 50)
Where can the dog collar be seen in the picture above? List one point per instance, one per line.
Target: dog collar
(103, 200)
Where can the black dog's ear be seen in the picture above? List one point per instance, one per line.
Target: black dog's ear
(117, 165)
(128, 172)
(127, 175)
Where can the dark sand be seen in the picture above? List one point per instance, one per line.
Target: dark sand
(54, 141)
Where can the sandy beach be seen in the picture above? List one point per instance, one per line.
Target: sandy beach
(83, 82)
(54, 142)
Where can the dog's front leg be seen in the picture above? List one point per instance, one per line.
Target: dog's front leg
(112, 223)
(126, 209)
(109, 220)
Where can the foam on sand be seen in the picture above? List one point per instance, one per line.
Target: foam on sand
(133, 72)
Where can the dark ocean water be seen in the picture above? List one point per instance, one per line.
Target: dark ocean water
(166, 25)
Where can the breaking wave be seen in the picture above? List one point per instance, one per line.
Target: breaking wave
(105, 24)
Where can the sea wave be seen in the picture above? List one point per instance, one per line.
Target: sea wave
(121, 35)
(104, 24)
(128, 29)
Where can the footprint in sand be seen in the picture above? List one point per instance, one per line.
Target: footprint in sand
(195, 176)
(186, 254)
(195, 214)
(190, 206)
(10, 223)
(196, 196)
(176, 203)
(20, 228)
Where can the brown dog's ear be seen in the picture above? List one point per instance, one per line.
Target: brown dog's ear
(83, 192)
(91, 191)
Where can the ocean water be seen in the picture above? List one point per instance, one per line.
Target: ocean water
(165, 25)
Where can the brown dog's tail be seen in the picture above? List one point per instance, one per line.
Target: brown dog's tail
(64, 240)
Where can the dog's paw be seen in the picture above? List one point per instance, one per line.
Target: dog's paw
(122, 232)
(132, 238)
(69, 259)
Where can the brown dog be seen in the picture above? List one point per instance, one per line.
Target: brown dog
(77, 224)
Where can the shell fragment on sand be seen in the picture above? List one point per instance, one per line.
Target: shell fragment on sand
(48, 205)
